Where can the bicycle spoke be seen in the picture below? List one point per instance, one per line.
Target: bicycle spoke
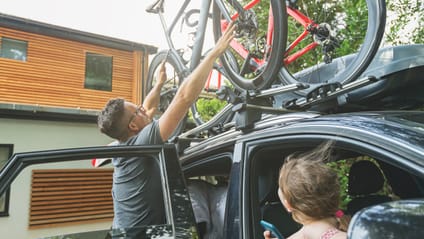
(255, 56)
(339, 39)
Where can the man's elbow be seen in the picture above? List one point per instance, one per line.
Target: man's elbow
(185, 98)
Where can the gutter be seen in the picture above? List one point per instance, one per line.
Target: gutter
(39, 112)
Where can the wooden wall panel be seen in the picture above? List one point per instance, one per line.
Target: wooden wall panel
(54, 73)
(70, 196)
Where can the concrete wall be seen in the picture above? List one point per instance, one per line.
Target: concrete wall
(30, 135)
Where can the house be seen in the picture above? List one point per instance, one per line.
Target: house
(53, 83)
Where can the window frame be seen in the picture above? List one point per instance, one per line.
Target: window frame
(3, 55)
(288, 143)
(103, 84)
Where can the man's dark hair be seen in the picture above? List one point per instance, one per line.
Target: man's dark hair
(110, 120)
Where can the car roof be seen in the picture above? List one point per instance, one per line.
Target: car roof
(400, 127)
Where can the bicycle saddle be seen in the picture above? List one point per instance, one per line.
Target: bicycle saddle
(155, 7)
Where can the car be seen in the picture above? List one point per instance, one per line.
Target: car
(397, 219)
(246, 163)
(223, 186)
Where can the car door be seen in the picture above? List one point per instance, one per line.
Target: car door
(263, 158)
(180, 221)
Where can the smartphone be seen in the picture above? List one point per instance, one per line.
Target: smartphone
(275, 233)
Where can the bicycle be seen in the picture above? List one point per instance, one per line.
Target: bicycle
(178, 67)
(323, 37)
(255, 63)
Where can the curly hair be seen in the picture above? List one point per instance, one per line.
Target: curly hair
(309, 185)
(110, 120)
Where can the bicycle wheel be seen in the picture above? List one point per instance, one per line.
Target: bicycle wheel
(169, 89)
(343, 36)
(254, 59)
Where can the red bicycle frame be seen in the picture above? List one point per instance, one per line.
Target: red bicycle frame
(306, 22)
(299, 17)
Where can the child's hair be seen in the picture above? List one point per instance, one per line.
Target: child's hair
(310, 186)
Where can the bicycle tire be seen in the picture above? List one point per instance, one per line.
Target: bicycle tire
(255, 76)
(169, 89)
(346, 66)
(176, 75)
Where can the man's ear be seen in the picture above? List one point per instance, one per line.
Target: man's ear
(133, 127)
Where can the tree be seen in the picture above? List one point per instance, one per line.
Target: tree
(405, 22)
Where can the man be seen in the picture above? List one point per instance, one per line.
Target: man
(136, 191)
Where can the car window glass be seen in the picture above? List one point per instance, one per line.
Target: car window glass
(264, 164)
(207, 182)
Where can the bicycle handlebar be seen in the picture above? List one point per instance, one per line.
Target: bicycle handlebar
(156, 7)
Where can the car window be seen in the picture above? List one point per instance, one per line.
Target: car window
(207, 180)
(65, 188)
(378, 179)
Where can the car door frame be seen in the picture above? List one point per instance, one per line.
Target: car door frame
(348, 139)
(179, 212)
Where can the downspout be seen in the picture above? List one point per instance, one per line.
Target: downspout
(142, 74)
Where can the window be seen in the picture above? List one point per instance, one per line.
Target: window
(5, 153)
(98, 72)
(13, 49)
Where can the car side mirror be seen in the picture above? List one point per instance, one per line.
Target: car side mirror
(396, 219)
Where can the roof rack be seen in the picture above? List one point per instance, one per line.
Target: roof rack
(395, 78)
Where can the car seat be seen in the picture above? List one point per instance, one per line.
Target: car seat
(272, 209)
(365, 181)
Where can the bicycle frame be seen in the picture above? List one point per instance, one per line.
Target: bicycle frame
(200, 34)
(201, 29)
(307, 23)
(239, 48)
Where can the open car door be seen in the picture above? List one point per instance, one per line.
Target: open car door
(180, 220)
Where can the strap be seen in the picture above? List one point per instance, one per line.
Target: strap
(329, 233)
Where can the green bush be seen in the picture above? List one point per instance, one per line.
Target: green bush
(208, 107)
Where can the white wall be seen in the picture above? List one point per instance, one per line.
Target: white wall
(31, 135)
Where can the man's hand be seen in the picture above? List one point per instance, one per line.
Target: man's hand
(224, 41)
(190, 88)
(161, 77)
(152, 100)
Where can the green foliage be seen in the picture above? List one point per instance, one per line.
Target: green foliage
(405, 22)
(348, 21)
(342, 167)
(208, 107)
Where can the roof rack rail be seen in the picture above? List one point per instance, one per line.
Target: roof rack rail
(327, 91)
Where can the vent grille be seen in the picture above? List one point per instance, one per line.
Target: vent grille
(68, 196)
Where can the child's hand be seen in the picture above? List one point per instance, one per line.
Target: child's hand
(267, 235)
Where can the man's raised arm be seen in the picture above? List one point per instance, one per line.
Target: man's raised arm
(190, 89)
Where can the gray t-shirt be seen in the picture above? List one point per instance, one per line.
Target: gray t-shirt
(137, 188)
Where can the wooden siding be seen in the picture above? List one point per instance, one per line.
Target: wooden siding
(70, 196)
(54, 73)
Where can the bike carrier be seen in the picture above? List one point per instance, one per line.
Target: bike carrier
(392, 81)
(328, 91)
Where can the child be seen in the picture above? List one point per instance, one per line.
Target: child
(310, 191)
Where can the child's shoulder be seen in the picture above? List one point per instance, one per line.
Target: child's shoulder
(297, 235)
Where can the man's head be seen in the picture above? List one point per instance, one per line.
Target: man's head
(121, 119)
